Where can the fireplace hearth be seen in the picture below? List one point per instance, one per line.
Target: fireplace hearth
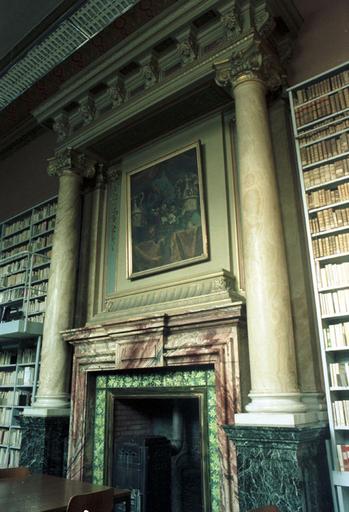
(158, 445)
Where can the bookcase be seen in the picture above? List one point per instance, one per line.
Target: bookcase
(320, 119)
(25, 248)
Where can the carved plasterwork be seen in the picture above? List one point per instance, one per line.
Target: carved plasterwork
(87, 109)
(232, 22)
(150, 73)
(61, 126)
(257, 61)
(188, 49)
(70, 160)
(117, 92)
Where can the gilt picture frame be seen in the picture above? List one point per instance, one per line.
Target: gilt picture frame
(166, 218)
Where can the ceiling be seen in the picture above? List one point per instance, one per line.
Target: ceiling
(18, 18)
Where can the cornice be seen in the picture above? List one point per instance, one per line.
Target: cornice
(237, 23)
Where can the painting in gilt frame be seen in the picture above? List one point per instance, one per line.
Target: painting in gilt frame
(166, 215)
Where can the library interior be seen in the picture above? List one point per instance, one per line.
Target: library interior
(184, 338)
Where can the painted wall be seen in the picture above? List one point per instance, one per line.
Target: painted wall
(24, 181)
(323, 41)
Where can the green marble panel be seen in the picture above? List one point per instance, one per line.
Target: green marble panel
(169, 379)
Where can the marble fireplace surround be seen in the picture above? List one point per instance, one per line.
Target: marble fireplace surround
(118, 349)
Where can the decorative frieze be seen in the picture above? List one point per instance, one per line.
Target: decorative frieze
(70, 160)
(87, 109)
(150, 72)
(61, 126)
(188, 49)
(203, 292)
(117, 92)
(232, 22)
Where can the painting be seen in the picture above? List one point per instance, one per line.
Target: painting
(166, 217)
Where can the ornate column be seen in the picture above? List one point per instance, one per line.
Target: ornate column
(46, 422)
(272, 353)
(280, 449)
(71, 167)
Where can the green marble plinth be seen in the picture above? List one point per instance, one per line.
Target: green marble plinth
(282, 466)
(44, 444)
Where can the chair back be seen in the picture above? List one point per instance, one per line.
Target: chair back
(19, 473)
(99, 501)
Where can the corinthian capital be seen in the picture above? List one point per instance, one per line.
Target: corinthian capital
(69, 160)
(257, 61)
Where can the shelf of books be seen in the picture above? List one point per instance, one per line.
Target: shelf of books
(19, 365)
(25, 249)
(320, 118)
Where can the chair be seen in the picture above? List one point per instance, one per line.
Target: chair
(18, 473)
(267, 508)
(99, 501)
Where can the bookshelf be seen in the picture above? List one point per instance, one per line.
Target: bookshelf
(25, 249)
(320, 119)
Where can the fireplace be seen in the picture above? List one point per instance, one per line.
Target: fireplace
(163, 375)
(159, 446)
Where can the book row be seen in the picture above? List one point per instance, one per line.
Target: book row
(40, 273)
(327, 196)
(339, 374)
(9, 229)
(46, 225)
(12, 280)
(39, 317)
(30, 292)
(26, 355)
(14, 398)
(41, 243)
(325, 149)
(14, 252)
(340, 124)
(321, 107)
(23, 236)
(333, 274)
(329, 218)
(45, 211)
(22, 264)
(7, 378)
(330, 245)
(340, 410)
(36, 306)
(343, 456)
(326, 172)
(8, 357)
(11, 437)
(333, 303)
(322, 87)
(9, 458)
(5, 416)
(25, 376)
(336, 335)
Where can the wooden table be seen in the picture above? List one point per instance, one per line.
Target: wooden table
(44, 493)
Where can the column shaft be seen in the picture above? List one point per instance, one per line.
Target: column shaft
(270, 331)
(55, 369)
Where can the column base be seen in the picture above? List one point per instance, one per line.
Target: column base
(275, 403)
(45, 444)
(286, 467)
(59, 401)
(276, 419)
(315, 402)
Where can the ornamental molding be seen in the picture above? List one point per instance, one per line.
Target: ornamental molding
(87, 109)
(69, 160)
(188, 49)
(203, 292)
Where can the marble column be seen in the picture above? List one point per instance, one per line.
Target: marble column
(275, 396)
(52, 398)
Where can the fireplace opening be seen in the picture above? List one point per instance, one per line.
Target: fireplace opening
(158, 447)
